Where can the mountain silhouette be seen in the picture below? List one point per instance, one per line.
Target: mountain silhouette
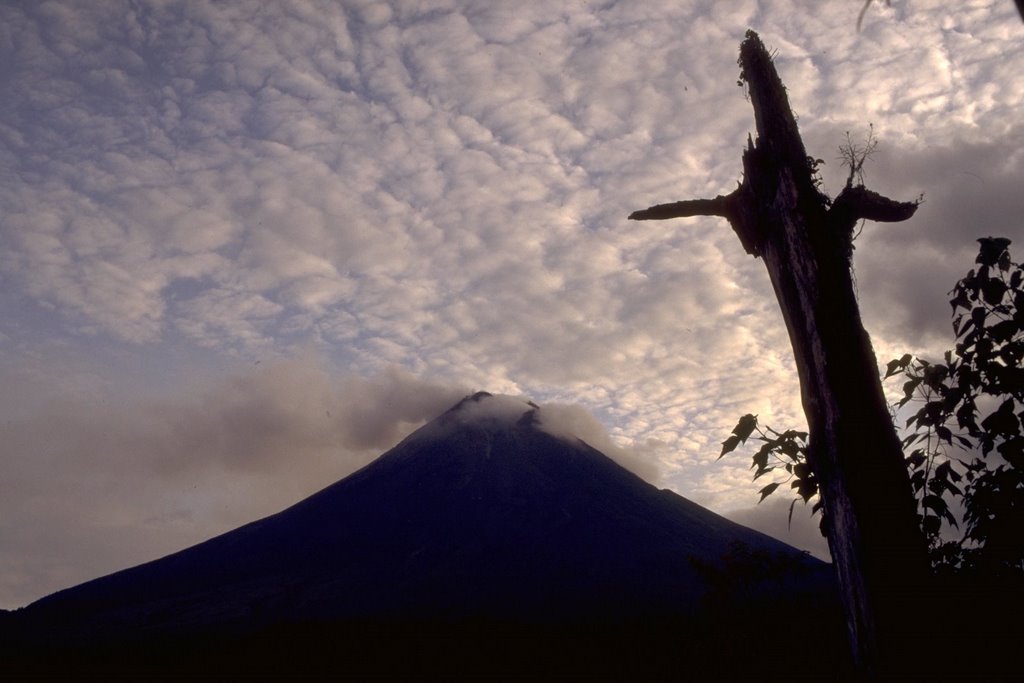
(481, 526)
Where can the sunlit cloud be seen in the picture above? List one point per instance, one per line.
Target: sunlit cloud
(439, 190)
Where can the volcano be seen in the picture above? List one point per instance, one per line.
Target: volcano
(481, 540)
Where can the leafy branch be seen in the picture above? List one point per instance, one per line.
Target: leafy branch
(964, 444)
(786, 450)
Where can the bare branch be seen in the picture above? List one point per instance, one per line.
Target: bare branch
(719, 206)
(857, 202)
(854, 155)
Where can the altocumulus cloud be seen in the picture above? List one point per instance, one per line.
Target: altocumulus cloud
(440, 187)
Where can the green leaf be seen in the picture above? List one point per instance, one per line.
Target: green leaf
(934, 503)
(745, 427)
(991, 250)
(768, 490)
(729, 445)
(946, 471)
(993, 291)
(910, 385)
(966, 416)
(807, 488)
(897, 365)
(760, 459)
(916, 459)
(1002, 421)
(1004, 331)
(961, 300)
(1012, 451)
(978, 315)
(935, 375)
(964, 330)
(1004, 262)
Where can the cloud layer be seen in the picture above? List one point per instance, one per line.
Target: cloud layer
(160, 473)
(441, 187)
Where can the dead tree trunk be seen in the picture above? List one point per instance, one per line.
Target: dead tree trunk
(806, 242)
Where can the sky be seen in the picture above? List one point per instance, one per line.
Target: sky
(245, 247)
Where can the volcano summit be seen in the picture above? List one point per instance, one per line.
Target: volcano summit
(482, 542)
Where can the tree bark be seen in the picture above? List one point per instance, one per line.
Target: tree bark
(806, 243)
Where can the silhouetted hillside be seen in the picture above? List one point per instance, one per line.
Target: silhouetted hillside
(480, 543)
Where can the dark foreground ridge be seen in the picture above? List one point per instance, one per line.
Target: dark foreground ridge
(480, 544)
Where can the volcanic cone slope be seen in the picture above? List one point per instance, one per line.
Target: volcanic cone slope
(481, 515)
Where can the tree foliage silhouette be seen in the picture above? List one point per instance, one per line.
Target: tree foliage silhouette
(964, 444)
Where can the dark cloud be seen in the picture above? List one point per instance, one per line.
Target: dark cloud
(971, 190)
(150, 476)
(108, 479)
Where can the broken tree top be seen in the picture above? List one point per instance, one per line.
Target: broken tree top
(777, 170)
(805, 241)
